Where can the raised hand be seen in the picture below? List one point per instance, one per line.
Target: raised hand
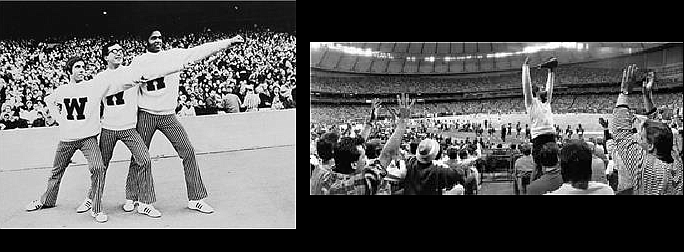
(405, 104)
(648, 83)
(629, 76)
(375, 107)
(376, 104)
(237, 39)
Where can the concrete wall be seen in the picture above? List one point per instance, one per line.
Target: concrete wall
(35, 147)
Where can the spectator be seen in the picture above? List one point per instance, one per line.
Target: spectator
(186, 108)
(8, 122)
(251, 101)
(598, 167)
(647, 155)
(264, 97)
(39, 121)
(551, 180)
(524, 167)
(575, 161)
(286, 98)
(424, 178)
(322, 177)
(231, 102)
(50, 121)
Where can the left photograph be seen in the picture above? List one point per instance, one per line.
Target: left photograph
(147, 115)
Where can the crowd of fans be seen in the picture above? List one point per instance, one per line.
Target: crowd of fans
(381, 157)
(560, 104)
(566, 75)
(257, 74)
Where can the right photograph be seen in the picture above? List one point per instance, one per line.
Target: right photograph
(496, 118)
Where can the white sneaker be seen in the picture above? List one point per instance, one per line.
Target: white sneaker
(99, 217)
(149, 210)
(85, 206)
(130, 205)
(34, 205)
(200, 205)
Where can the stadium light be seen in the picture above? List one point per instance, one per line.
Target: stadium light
(104, 13)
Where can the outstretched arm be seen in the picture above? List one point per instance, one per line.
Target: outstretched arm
(375, 105)
(626, 148)
(394, 142)
(647, 93)
(550, 79)
(176, 59)
(527, 82)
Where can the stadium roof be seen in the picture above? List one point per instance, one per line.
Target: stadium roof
(445, 57)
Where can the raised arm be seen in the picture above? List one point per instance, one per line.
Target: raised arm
(626, 147)
(368, 126)
(394, 143)
(647, 93)
(527, 82)
(550, 80)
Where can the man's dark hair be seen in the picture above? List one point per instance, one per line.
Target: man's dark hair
(145, 32)
(463, 154)
(660, 135)
(548, 155)
(453, 153)
(526, 150)
(575, 161)
(414, 147)
(326, 145)
(373, 148)
(105, 50)
(346, 154)
(70, 63)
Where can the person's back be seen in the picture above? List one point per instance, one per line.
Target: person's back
(231, 103)
(424, 178)
(576, 170)
(549, 182)
(593, 188)
(598, 170)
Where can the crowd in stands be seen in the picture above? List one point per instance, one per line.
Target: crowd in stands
(566, 75)
(257, 74)
(560, 104)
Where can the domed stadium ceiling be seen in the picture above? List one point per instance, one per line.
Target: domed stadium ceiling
(450, 58)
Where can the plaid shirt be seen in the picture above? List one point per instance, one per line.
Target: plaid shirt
(649, 174)
(324, 181)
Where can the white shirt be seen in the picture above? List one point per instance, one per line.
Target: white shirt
(541, 117)
(81, 118)
(594, 188)
(120, 109)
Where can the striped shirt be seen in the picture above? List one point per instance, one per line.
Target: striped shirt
(649, 174)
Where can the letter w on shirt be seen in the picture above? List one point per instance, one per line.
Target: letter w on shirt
(78, 104)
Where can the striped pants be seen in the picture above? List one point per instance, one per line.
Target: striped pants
(142, 177)
(66, 150)
(169, 125)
